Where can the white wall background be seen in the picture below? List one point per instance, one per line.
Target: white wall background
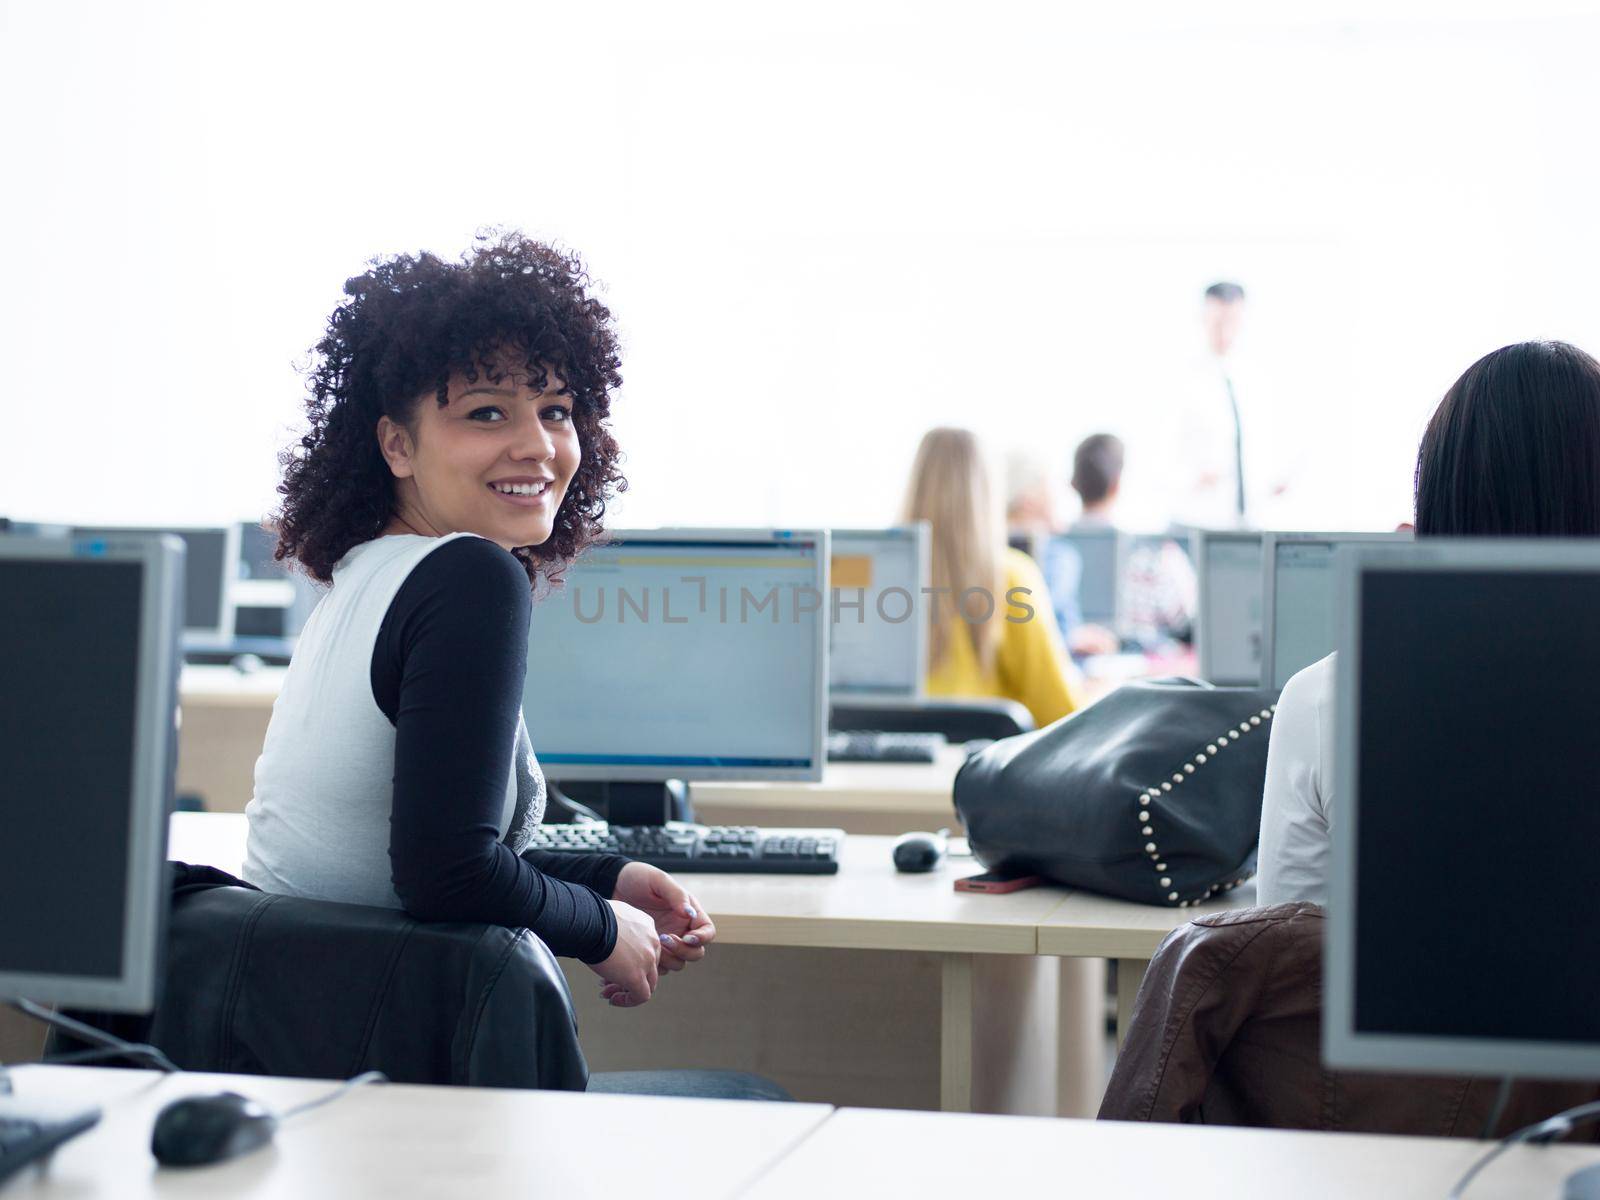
(822, 228)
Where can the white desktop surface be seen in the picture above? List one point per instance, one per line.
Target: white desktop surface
(949, 1156)
(1085, 924)
(225, 686)
(867, 906)
(390, 1142)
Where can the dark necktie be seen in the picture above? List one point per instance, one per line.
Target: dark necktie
(1238, 450)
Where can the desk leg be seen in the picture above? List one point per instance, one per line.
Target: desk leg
(955, 1033)
(1080, 1036)
(1130, 974)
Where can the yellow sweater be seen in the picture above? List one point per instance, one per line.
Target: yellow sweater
(1030, 663)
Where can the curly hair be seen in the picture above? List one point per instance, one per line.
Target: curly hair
(405, 325)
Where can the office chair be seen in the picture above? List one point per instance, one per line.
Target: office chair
(259, 984)
(958, 720)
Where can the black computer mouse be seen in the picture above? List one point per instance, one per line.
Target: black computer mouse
(197, 1130)
(918, 852)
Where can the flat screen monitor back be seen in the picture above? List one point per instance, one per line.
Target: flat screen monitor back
(1228, 637)
(210, 557)
(1461, 926)
(877, 634)
(684, 654)
(87, 703)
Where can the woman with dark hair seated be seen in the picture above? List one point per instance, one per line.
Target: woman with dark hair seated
(458, 457)
(1512, 451)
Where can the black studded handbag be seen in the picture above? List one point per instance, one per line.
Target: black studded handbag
(1152, 794)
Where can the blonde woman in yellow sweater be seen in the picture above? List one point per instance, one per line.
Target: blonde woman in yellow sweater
(987, 639)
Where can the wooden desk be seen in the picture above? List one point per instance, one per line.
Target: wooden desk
(887, 798)
(945, 1156)
(385, 1141)
(869, 984)
(1086, 925)
(224, 723)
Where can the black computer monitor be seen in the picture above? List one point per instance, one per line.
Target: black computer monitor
(88, 703)
(209, 566)
(1461, 934)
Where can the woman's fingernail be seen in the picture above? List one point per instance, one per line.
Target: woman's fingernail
(666, 939)
(689, 908)
(691, 939)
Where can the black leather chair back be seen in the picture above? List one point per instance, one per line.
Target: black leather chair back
(276, 985)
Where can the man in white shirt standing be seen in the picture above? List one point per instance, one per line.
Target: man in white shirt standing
(1210, 483)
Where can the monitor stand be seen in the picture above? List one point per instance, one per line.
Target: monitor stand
(628, 802)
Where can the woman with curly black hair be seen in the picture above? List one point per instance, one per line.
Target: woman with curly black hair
(458, 456)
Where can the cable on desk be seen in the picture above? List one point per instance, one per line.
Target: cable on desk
(138, 1051)
(1547, 1130)
(330, 1097)
(1498, 1109)
(95, 1037)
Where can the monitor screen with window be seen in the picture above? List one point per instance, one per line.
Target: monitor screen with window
(684, 654)
(1228, 630)
(1298, 598)
(876, 627)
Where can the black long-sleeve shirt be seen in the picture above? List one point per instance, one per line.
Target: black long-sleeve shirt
(448, 670)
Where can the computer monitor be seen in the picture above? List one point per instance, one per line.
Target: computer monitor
(684, 654)
(1228, 629)
(210, 555)
(88, 703)
(256, 546)
(877, 647)
(1099, 553)
(1460, 927)
(1298, 598)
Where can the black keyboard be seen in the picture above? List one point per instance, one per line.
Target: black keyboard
(27, 1135)
(869, 746)
(719, 849)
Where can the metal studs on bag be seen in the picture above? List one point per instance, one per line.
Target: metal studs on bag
(1146, 795)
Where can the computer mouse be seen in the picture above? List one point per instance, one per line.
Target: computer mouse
(196, 1130)
(918, 852)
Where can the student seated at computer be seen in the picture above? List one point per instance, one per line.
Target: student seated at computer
(1513, 450)
(1032, 525)
(458, 456)
(986, 639)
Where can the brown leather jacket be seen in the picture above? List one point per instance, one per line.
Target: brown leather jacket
(1227, 1030)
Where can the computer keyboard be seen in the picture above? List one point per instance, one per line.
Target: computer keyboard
(27, 1135)
(870, 746)
(720, 849)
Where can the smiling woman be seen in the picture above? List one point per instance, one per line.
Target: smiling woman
(458, 454)
(495, 459)
(500, 339)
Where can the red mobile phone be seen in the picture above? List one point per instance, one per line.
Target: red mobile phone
(996, 882)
